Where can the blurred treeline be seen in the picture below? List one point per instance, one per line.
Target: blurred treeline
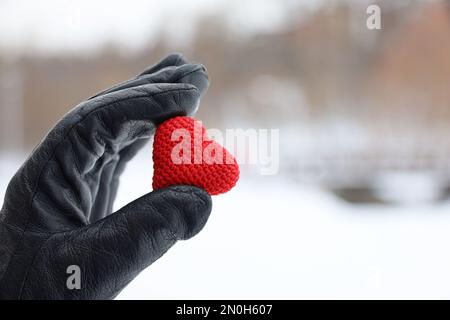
(343, 93)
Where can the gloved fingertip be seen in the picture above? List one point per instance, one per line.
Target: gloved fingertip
(194, 207)
(173, 59)
(176, 58)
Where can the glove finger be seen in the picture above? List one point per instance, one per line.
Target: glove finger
(68, 163)
(121, 245)
(187, 73)
(125, 155)
(168, 64)
(102, 191)
(173, 59)
(109, 181)
(114, 121)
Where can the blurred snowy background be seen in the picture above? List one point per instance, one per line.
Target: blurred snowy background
(360, 207)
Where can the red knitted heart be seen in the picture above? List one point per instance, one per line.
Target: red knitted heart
(183, 154)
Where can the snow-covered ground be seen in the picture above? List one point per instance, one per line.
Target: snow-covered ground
(272, 238)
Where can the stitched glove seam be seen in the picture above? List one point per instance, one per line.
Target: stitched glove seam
(187, 73)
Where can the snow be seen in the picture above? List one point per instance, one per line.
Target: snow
(272, 238)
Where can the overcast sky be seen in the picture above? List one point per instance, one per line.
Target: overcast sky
(84, 25)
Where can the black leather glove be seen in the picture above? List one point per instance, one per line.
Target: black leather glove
(57, 208)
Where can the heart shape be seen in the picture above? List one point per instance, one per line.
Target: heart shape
(184, 154)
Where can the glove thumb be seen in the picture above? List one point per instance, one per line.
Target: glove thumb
(161, 216)
(127, 241)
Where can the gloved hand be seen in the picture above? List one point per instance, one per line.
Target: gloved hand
(57, 208)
